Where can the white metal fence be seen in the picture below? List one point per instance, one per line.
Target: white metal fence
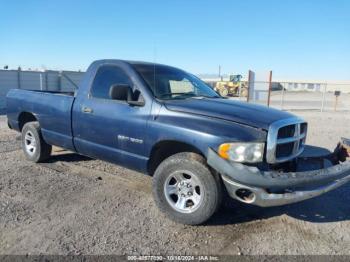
(35, 80)
(323, 97)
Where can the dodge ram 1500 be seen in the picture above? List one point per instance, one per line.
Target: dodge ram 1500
(169, 124)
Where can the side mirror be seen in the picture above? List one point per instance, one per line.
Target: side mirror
(124, 92)
(120, 92)
(136, 99)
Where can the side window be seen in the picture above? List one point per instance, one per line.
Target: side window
(105, 77)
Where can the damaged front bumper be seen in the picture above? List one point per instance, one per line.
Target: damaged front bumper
(274, 188)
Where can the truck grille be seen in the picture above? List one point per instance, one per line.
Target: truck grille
(285, 140)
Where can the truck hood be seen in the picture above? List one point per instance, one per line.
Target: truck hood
(240, 112)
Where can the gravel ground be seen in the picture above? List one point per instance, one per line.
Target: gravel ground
(75, 205)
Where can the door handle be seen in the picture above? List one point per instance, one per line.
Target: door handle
(87, 110)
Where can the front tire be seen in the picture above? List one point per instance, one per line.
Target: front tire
(186, 190)
(34, 147)
(224, 92)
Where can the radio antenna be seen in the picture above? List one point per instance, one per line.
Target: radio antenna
(154, 65)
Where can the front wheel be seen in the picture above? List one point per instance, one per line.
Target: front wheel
(185, 189)
(224, 92)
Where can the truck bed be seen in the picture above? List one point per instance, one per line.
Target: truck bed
(53, 92)
(52, 109)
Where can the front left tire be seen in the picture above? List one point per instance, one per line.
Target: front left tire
(186, 190)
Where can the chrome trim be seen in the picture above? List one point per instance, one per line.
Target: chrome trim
(273, 141)
(290, 139)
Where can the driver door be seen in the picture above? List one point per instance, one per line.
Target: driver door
(108, 129)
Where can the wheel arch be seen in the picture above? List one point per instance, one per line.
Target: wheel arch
(166, 148)
(25, 117)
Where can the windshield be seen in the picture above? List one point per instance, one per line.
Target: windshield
(171, 83)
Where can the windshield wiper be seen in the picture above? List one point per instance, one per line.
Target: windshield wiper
(204, 96)
(186, 95)
(177, 94)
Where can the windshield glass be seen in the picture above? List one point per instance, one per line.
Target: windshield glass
(171, 83)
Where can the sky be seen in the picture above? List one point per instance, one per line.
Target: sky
(296, 39)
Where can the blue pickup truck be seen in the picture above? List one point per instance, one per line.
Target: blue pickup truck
(169, 124)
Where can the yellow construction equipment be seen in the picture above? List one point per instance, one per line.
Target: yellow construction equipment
(233, 87)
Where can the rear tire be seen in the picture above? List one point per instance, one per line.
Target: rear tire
(34, 147)
(186, 190)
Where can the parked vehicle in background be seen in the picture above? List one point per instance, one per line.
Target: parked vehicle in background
(169, 124)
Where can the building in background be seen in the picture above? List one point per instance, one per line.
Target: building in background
(315, 85)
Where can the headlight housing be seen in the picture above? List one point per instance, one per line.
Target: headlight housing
(242, 152)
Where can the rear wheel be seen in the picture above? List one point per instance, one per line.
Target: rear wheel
(33, 144)
(185, 189)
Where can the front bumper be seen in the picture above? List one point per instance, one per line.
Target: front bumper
(274, 188)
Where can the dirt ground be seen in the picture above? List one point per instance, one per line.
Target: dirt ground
(75, 205)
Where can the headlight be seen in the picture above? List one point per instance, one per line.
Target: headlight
(242, 152)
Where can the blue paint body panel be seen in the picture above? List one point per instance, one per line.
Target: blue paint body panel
(107, 132)
(52, 110)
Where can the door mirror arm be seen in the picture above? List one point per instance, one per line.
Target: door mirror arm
(136, 98)
(136, 103)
